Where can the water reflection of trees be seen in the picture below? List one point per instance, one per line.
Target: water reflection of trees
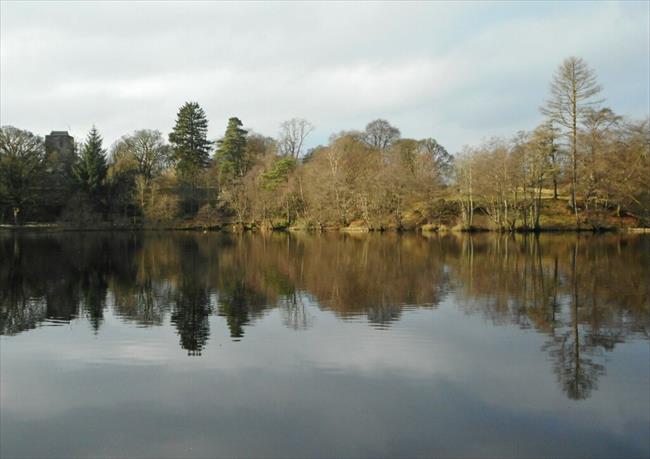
(191, 299)
(46, 278)
(584, 293)
(295, 313)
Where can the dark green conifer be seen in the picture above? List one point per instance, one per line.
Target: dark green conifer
(90, 168)
(231, 150)
(191, 147)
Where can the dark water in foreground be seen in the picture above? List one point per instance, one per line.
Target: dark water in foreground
(197, 345)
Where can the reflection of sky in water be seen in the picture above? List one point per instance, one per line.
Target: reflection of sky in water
(469, 374)
(438, 382)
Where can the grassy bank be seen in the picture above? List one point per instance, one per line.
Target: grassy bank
(555, 215)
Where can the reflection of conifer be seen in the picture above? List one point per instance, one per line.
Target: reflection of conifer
(190, 315)
(583, 299)
(192, 299)
(93, 264)
(62, 299)
(93, 290)
(237, 303)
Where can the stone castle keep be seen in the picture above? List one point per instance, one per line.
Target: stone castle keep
(60, 152)
(59, 142)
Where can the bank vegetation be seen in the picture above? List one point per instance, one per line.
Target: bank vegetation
(583, 167)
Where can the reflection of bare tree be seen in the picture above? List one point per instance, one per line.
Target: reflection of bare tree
(145, 301)
(586, 294)
(18, 311)
(21, 315)
(563, 290)
(295, 314)
(50, 278)
(576, 371)
(383, 315)
(370, 275)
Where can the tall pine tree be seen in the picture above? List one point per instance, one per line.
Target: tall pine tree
(90, 168)
(191, 148)
(231, 150)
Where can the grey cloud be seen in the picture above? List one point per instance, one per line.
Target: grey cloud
(455, 72)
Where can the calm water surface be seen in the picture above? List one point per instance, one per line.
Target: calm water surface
(198, 345)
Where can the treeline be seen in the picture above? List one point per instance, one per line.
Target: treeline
(596, 159)
(584, 167)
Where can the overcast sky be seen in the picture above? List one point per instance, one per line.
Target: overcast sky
(457, 72)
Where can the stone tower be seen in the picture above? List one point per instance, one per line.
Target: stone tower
(59, 151)
(59, 143)
(61, 156)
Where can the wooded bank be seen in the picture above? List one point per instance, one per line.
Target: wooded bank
(583, 168)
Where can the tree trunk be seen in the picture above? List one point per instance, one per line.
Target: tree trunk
(288, 215)
(538, 207)
(471, 199)
(574, 155)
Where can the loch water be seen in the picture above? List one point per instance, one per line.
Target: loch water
(185, 344)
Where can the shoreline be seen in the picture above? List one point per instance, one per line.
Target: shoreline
(234, 229)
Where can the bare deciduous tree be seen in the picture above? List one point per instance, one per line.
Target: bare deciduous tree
(148, 149)
(21, 163)
(573, 89)
(293, 133)
(599, 125)
(380, 134)
(465, 184)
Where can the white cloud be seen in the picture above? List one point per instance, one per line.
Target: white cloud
(455, 72)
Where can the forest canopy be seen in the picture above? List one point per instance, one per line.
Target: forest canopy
(583, 167)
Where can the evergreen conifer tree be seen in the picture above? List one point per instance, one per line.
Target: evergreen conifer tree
(90, 168)
(191, 148)
(231, 150)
